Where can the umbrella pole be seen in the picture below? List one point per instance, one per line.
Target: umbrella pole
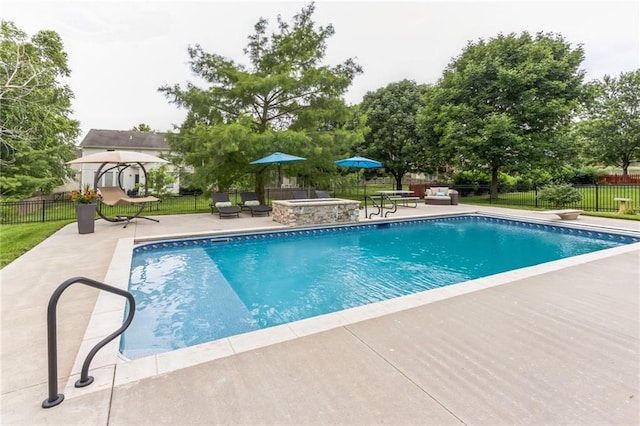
(364, 186)
(279, 176)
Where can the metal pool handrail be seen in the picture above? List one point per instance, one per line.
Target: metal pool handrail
(380, 206)
(56, 398)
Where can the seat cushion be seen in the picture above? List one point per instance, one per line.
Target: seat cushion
(438, 191)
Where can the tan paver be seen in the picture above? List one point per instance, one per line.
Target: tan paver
(556, 348)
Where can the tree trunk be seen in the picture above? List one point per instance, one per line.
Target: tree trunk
(494, 184)
(625, 168)
(398, 182)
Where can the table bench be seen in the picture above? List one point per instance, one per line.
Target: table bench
(566, 214)
(404, 201)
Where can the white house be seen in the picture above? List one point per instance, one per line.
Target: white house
(122, 140)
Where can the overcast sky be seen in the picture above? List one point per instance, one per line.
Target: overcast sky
(121, 52)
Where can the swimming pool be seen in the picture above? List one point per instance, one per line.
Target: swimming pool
(246, 282)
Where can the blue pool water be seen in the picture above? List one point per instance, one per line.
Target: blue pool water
(198, 290)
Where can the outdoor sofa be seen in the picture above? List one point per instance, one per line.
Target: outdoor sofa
(441, 196)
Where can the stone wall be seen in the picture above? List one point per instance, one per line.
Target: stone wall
(296, 213)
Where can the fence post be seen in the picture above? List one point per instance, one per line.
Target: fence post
(535, 192)
(43, 206)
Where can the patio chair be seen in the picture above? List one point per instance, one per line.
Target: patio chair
(115, 196)
(322, 194)
(224, 206)
(251, 202)
(299, 194)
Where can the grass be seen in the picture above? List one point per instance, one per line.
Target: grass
(603, 199)
(506, 205)
(16, 240)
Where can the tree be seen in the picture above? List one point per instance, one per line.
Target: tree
(142, 127)
(502, 105)
(390, 115)
(159, 179)
(285, 101)
(612, 121)
(37, 134)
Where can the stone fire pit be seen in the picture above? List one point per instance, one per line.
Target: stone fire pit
(317, 211)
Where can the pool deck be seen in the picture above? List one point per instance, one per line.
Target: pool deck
(559, 347)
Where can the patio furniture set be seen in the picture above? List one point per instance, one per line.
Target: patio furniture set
(249, 201)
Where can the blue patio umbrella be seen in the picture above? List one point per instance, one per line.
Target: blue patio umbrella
(360, 163)
(278, 158)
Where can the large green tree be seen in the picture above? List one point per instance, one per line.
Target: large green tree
(37, 134)
(503, 104)
(390, 116)
(285, 100)
(612, 121)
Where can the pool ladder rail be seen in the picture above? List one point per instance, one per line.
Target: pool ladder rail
(380, 206)
(56, 398)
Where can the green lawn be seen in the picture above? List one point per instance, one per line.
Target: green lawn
(600, 199)
(15, 240)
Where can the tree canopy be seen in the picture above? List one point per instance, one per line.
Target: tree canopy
(502, 104)
(37, 134)
(390, 116)
(612, 121)
(285, 100)
(142, 127)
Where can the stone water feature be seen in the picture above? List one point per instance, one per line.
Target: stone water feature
(318, 211)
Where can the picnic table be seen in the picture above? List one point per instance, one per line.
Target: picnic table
(400, 196)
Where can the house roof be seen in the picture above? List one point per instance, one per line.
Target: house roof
(131, 139)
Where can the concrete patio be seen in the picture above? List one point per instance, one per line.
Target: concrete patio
(559, 347)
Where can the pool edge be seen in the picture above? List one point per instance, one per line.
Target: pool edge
(110, 369)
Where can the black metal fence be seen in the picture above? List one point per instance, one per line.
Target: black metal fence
(59, 208)
(598, 198)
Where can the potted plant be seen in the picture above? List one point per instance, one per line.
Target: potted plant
(559, 195)
(85, 203)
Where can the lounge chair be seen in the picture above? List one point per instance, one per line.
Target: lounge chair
(115, 196)
(224, 206)
(251, 202)
(322, 194)
(299, 194)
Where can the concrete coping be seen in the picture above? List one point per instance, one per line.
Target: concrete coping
(315, 202)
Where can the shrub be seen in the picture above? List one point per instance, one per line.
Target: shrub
(559, 195)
